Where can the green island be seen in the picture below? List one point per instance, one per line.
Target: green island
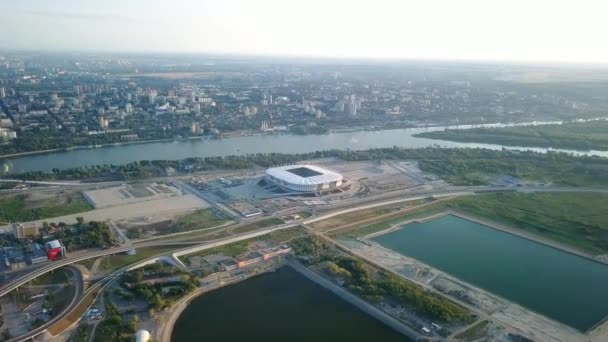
(572, 135)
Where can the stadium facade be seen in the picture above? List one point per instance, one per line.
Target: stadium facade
(304, 178)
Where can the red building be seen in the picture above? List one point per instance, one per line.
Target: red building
(54, 249)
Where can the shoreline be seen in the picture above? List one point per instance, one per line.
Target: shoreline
(369, 309)
(93, 147)
(496, 226)
(233, 134)
(562, 327)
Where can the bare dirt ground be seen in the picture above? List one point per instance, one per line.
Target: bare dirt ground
(121, 195)
(154, 210)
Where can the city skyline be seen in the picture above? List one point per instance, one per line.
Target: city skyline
(474, 30)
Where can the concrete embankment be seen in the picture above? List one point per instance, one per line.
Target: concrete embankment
(356, 301)
(528, 236)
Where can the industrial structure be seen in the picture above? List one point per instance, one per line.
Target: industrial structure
(304, 178)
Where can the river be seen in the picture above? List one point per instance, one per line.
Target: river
(279, 306)
(560, 285)
(284, 143)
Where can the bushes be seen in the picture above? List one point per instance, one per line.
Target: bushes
(400, 290)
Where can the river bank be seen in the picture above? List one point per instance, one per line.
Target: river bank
(471, 253)
(275, 306)
(172, 149)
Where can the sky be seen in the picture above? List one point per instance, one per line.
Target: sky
(479, 30)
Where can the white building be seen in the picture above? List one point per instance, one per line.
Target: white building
(304, 178)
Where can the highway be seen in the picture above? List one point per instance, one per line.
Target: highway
(389, 199)
(367, 202)
(79, 289)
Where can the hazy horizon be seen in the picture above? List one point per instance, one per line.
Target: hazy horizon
(470, 30)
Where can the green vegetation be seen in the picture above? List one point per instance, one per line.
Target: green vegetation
(114, 262)
(458, 166)
(58, 276)
(273, 221)
(159, 295)
(75, 314)
(81, 235)
(476, 332)
(114, 328)
(237, 248)
(378, 285)
(382, 224)
(20, 208)
(365, 214)
(285, 235)
(82, 333)
(57, 301)
(406, 293)
(575, 135)
(576, 219)
(231, 250)
(200, 219)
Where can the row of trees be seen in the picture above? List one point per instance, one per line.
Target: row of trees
(460, 166)
(378, 286)
(114, 327)
(79, 236)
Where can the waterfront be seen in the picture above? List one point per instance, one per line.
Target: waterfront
(279, 306)
(557, 284)
(240, 145)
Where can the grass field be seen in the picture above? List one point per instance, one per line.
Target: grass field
(474, 333)
(240, 247)
(73, 316)
(382, 224)
(29, 208)
(578, 136)
(273, 221)
(116, 261)
(579, 219)
(365, 214)
(200, 219)
(58, 276)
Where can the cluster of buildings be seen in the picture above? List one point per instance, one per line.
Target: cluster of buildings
(255, 257)
(86, 100)
(23, 253)
(17, 257)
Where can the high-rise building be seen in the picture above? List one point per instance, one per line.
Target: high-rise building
(2, 93)
(152, 96)
(103, 122)
(351, 106)
(129, 108)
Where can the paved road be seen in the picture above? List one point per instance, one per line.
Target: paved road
(79, 289)
(450, 191)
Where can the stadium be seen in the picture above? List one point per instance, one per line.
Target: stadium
(304, 178)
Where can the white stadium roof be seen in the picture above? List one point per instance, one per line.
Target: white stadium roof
(293, 174)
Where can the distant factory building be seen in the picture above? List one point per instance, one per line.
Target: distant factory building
(255, 257)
